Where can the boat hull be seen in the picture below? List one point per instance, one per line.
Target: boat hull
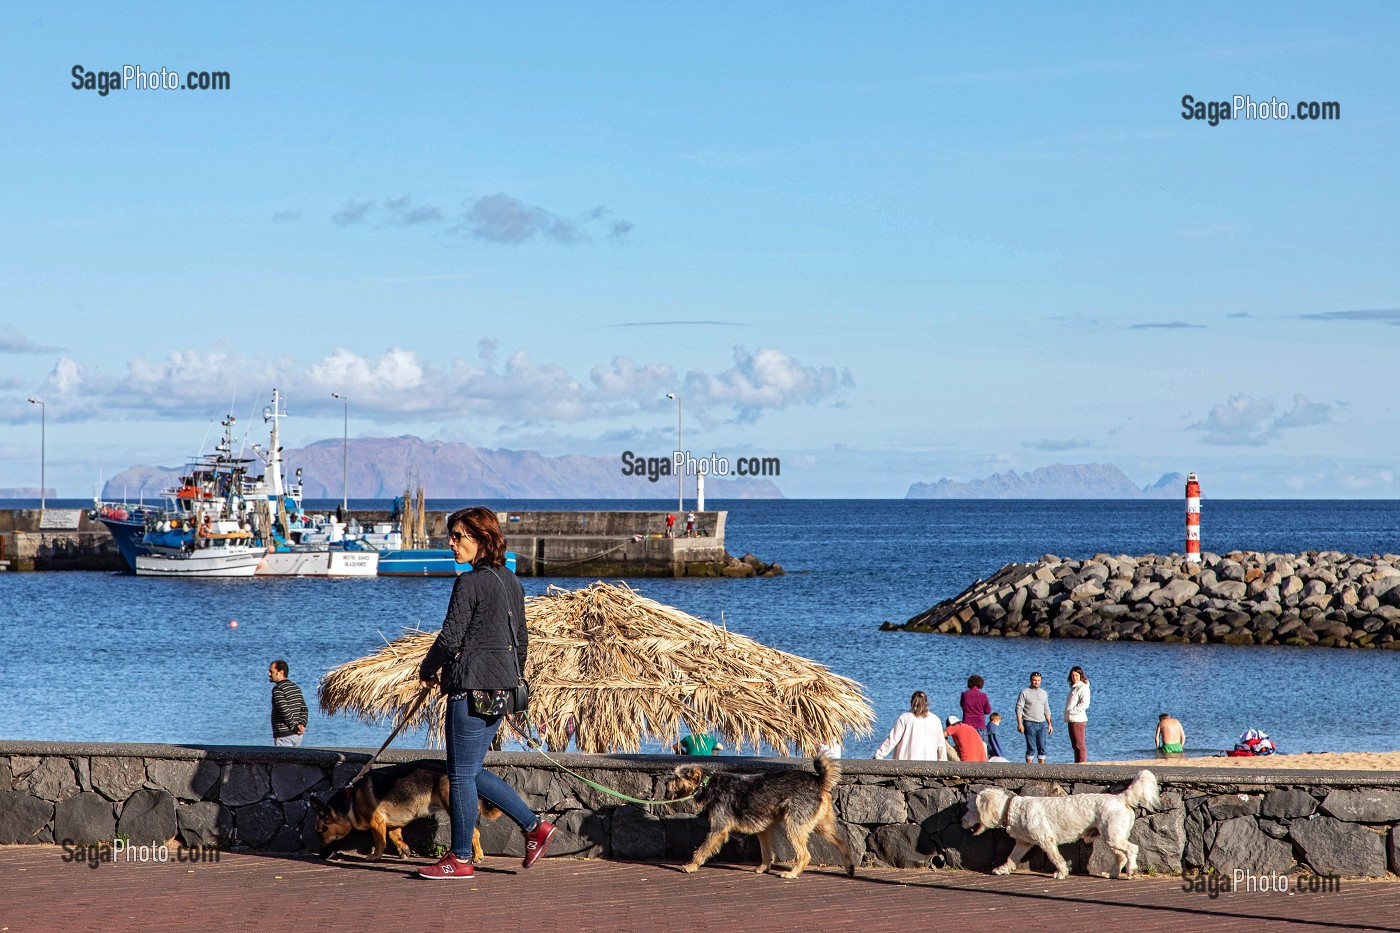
(224, 564)
(320, 563)
(427, 562)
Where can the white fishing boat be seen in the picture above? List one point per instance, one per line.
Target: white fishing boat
(327, 561)
(212, 549)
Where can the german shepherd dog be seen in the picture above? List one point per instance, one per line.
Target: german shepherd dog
(388, 799)
(758, 803)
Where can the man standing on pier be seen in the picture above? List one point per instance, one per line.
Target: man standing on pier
(1033, 719)
(288, 707)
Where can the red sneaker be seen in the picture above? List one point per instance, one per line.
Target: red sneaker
(447, 867)
(536, 841)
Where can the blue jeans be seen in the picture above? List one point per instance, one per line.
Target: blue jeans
(468, 738)
(1035, 738)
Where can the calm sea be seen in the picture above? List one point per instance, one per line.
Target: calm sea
(110, 657)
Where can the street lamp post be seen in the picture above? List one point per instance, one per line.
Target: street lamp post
(43, 457)
(344, 456)
(680, 470)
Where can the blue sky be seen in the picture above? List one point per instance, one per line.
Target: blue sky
(887, 243)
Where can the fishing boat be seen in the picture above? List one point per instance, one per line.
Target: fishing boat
(212, 548)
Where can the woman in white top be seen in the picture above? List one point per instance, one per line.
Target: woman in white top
(1076, 705)
(917, 734)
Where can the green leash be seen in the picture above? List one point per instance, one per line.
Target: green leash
(530, 742)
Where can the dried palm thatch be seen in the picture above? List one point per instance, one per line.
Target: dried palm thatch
(623, 670)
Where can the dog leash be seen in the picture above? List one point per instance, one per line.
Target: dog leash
(423, 695)
(530, 742)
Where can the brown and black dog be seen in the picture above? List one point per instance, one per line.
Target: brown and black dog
(758, 803)
(385, 801)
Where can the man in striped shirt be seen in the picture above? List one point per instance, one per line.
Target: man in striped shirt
(288, 707)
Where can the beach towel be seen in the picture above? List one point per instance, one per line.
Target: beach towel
(1253, 742)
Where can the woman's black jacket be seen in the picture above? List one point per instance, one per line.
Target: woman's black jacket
(473, 650)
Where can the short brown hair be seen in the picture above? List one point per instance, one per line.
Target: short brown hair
(480, 522)
(280, 666)
(975, 683)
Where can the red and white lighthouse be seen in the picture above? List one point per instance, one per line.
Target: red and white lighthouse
(1193, 519)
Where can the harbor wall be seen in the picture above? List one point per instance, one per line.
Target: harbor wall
(1322, 598)
(600, 543)
(903, 814)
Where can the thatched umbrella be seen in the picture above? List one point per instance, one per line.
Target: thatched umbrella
(624, 669)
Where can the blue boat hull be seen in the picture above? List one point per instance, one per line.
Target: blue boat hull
(427, 562)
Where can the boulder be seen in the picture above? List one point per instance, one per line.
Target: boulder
(202, 824)
(183, 780)
(53, 779)
(1239, 843)
(1229, 806)
(243, 783)
(637, 836)
(1232, 590)
(257, 824)
(148, 817)
(1363, 806)
(84, 818)
(24, 818)
(903, 846)
(1334, 847)
(116, 777)
(290, 781)
(1287, 804)
(1175, 593)
(868, 803)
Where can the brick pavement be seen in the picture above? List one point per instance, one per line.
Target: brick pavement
(39, 892)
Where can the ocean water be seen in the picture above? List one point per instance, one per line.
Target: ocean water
(112, 657)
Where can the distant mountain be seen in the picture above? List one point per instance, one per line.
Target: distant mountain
(1058, 481)
(381, 468)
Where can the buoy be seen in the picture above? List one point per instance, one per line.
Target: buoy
(233, 623)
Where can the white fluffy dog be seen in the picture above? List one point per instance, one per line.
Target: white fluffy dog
(1049, 821)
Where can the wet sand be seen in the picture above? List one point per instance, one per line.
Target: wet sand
(1333, 761)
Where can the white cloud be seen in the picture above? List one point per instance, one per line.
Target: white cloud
(398, 385)
(1243, 420)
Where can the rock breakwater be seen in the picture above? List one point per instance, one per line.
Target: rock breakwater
(1317, 598)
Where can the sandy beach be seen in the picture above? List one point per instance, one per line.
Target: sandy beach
(1333, 761)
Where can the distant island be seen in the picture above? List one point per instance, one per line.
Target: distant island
(1058, 481)
(381, 468)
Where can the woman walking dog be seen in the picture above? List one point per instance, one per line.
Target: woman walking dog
(476, 662)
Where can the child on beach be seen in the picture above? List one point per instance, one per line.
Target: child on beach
(993, 742)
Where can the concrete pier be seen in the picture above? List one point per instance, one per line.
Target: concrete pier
(547, 544)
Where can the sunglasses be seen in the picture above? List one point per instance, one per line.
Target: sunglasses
(456, 536)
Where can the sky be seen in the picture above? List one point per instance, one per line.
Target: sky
(886, 243)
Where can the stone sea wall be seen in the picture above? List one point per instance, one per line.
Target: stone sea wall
(1326, 598)
(903, 814)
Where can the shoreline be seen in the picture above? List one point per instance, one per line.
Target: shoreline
(1320, 761)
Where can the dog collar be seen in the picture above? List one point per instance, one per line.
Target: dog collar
(1005, 820)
